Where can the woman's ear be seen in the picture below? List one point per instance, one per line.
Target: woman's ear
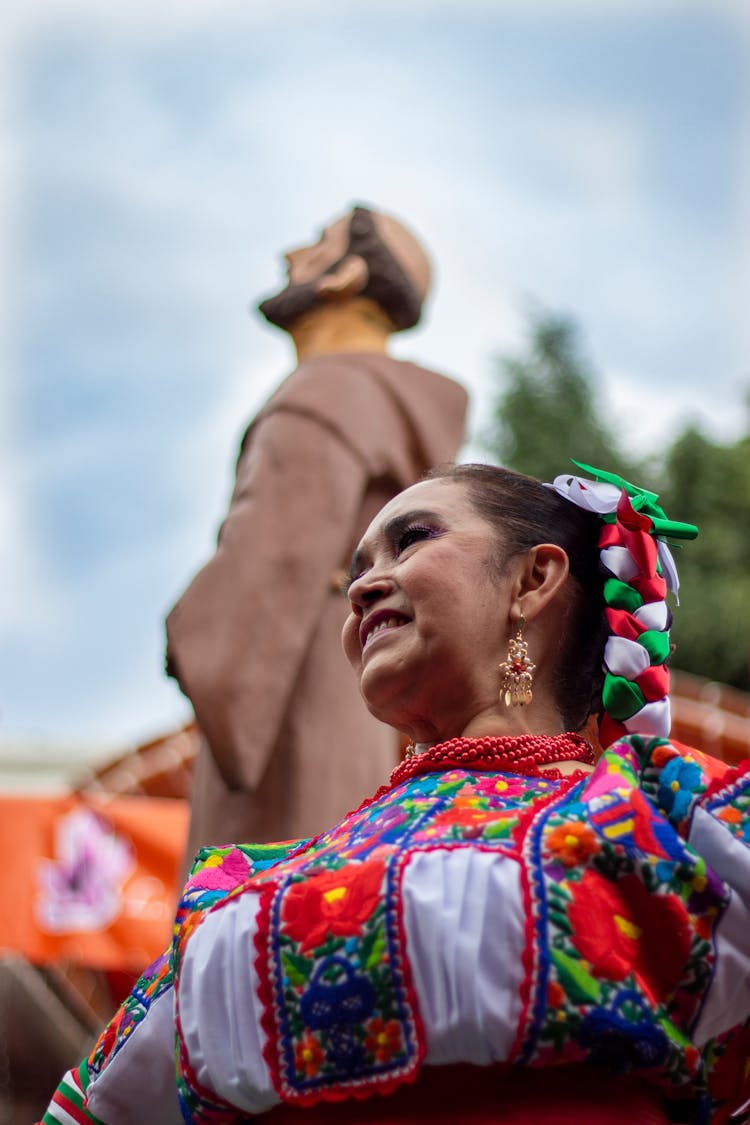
(542, 575)
(349, 279)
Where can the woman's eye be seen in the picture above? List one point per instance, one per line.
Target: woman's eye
(412, 535)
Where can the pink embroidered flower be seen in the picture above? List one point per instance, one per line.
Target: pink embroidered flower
(332, 902)
(572, 843)
(221, 872)
(504, 786)
(309, 1055)
(384, 1038)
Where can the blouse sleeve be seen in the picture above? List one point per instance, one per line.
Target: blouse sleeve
(720, 832)
(464, 935)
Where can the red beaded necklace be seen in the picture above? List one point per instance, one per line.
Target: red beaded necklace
(522, 753)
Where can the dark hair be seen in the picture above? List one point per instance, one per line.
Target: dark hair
(523, 513)
(388, 284)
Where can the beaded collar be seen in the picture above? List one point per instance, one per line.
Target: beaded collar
(523, 753)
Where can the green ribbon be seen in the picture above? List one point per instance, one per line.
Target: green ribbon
(621, 596)
(643, 501)
(621, 698)
(656, 645)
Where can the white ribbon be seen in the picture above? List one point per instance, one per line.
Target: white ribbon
(653, 615)
(625, 658)
(620, 562)
(653, 720)
(592, 495)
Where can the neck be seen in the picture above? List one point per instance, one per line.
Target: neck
(356, 325)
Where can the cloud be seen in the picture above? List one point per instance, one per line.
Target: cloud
(169, 153)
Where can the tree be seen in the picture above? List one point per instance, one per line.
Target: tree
(546, 410)
(709, 484)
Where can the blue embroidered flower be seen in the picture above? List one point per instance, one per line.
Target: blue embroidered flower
(347, 999)
(619, 1043)
(677, 786)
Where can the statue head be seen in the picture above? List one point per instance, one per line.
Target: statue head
(364, 254)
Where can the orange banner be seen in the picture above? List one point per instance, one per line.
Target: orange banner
(87, 881)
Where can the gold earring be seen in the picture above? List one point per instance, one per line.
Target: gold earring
(516, 671)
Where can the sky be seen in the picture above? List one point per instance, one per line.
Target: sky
(584, 158)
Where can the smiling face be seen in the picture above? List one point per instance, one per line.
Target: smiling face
(429, 618)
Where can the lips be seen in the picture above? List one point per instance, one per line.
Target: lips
(378, 623)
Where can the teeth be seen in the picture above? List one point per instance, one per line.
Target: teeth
(386, 623)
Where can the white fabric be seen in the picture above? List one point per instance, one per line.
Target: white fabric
(592, 495)
(653, 720)
(145, 1062)
(463, 917)
(653, 615)
(728, 999)
(464, 921)
(669, 568)
(620, 562)
(625, 658)
(219, 1007)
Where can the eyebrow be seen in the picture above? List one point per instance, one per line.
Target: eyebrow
(392, 529)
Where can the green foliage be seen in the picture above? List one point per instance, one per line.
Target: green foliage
(546, 410)
(709, 484)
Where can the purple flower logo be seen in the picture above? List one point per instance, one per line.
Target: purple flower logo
(81, 889)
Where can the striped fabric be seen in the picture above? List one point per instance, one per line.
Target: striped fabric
(66, 1107)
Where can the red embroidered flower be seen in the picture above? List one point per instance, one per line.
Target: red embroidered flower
(619, 927)
(309, 1055)
(663, 754)
(384, 1038)
(332, 902)
(572, 843)
(465, 818)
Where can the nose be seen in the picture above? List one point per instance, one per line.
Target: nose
(369, 588)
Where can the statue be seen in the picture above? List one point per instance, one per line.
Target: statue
(287, 744)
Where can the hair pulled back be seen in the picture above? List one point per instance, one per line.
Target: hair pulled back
(523, 513)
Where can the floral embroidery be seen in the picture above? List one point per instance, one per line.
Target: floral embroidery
(331, 951)
(618, 928)
(155, 980)
(728, 799)
(623, 947)
(384, 1039)
(677, 784)
(572, 843)
(309, 1055)
(606, 877)
(331, 902)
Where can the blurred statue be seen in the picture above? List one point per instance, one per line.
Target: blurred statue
(288, 746)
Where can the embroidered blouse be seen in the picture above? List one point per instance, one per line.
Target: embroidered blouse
(462, 915)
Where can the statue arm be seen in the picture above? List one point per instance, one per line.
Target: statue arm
(239, 634)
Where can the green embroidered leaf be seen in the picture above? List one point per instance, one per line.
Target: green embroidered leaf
(297, 968)
(500, 828)
(377, 947)
(560, 919)
(672, 1032)
(580, 986)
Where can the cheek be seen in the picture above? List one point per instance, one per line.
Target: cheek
(350, 640)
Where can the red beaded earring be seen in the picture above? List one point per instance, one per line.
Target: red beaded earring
(516, 671)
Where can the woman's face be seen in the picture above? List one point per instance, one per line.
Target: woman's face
(429, 614)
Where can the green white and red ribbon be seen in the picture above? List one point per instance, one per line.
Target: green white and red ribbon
(640, 569)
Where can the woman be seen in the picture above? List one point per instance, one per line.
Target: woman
(504, 905)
